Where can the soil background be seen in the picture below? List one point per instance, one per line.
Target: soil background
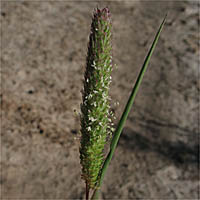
(43, 56)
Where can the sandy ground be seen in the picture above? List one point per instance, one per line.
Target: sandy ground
(43, 52)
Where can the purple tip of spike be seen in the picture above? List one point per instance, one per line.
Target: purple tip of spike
(102, 13)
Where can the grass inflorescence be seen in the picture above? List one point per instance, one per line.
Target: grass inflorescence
(95, 107)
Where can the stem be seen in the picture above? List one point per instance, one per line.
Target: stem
(95, 194)
(87, 191)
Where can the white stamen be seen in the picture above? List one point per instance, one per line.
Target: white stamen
(89, 128)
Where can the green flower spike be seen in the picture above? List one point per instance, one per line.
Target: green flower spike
(95, 108)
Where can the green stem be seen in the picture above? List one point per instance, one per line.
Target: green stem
(127, 110)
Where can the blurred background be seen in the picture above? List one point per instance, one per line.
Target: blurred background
(43, 56)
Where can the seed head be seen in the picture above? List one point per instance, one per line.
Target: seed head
(95, 109)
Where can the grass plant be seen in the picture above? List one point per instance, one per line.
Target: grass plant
(96, 115)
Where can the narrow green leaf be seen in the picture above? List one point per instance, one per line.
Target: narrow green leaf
(127, 109)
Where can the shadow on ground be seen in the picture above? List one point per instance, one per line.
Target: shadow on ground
(178, 152)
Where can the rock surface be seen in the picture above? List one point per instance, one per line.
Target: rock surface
(43, 52)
